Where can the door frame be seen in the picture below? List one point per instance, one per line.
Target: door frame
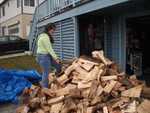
(125, 17)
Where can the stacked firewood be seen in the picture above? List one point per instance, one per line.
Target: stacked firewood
(89, 85)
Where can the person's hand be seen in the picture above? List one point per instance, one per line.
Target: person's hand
(58, 61)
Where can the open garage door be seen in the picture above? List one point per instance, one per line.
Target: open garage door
(138, 44)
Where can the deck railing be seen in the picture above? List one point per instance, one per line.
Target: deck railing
(52, 6)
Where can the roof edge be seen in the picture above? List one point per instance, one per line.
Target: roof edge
(3, 2)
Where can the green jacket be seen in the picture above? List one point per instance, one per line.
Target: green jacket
(44, 46)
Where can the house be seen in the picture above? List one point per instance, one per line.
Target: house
(16, 17)
(120, 27)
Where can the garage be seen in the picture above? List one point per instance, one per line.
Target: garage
(137, 46)
(91, 33)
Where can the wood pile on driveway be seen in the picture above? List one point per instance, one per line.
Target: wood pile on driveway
(89, 85)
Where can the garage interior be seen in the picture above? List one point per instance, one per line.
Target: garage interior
(137, 46)
(91, 33)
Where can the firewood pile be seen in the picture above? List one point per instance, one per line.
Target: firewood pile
(89, 85)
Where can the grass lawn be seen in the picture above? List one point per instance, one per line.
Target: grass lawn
(20, 62)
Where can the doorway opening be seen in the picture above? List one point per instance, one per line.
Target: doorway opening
(137, 46)
(91, 33)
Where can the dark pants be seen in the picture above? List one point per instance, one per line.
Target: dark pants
(46, 62)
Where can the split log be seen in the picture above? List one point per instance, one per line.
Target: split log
(75, 93)
(101, 71)
(43, 100)
(93, 89)
(92, 75)
(105, 109)
(80, 70)
(63, 79)
(39, 111)
(120, 102)
(100, 55)
(45, 108)
(96, 100)
(133, 92)
(117, 86)
(90, 110)
(48, 92)
(82, 107)
(69, 70)
(65, 91)
(146, 92)
(34, 103)
(86, 65)
(56, 108)
(131, 108)
(22, 109)
(82, 85)
(99, 90)
(84, 60)
(85, 92)
(144, 107)
(56, 99)
(68, 106)
(106, 78)
(108, 88)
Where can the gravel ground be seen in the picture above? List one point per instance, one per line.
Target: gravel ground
(8, 108)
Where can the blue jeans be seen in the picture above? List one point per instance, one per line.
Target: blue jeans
(46, 62)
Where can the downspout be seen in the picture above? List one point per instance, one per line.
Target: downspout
(37, 14)
(21, 6)
(21, 25)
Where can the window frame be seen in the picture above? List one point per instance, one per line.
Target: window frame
(3, 10)
(0, 13)
(18, 3)
(30, 3)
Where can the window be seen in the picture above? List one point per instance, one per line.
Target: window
(29, 3)
(3, 11)
(13, 38)
(3, 30)
(18, 3)
(13, 30)
(3, 39)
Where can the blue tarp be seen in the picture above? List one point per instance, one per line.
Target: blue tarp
(13, 82)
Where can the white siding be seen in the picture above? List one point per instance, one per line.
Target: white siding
(29, 9)
(40, 1)
(11, 10)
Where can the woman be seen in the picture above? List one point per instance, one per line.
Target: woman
(46, 57)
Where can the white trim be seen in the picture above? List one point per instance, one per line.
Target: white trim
(76, 37)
